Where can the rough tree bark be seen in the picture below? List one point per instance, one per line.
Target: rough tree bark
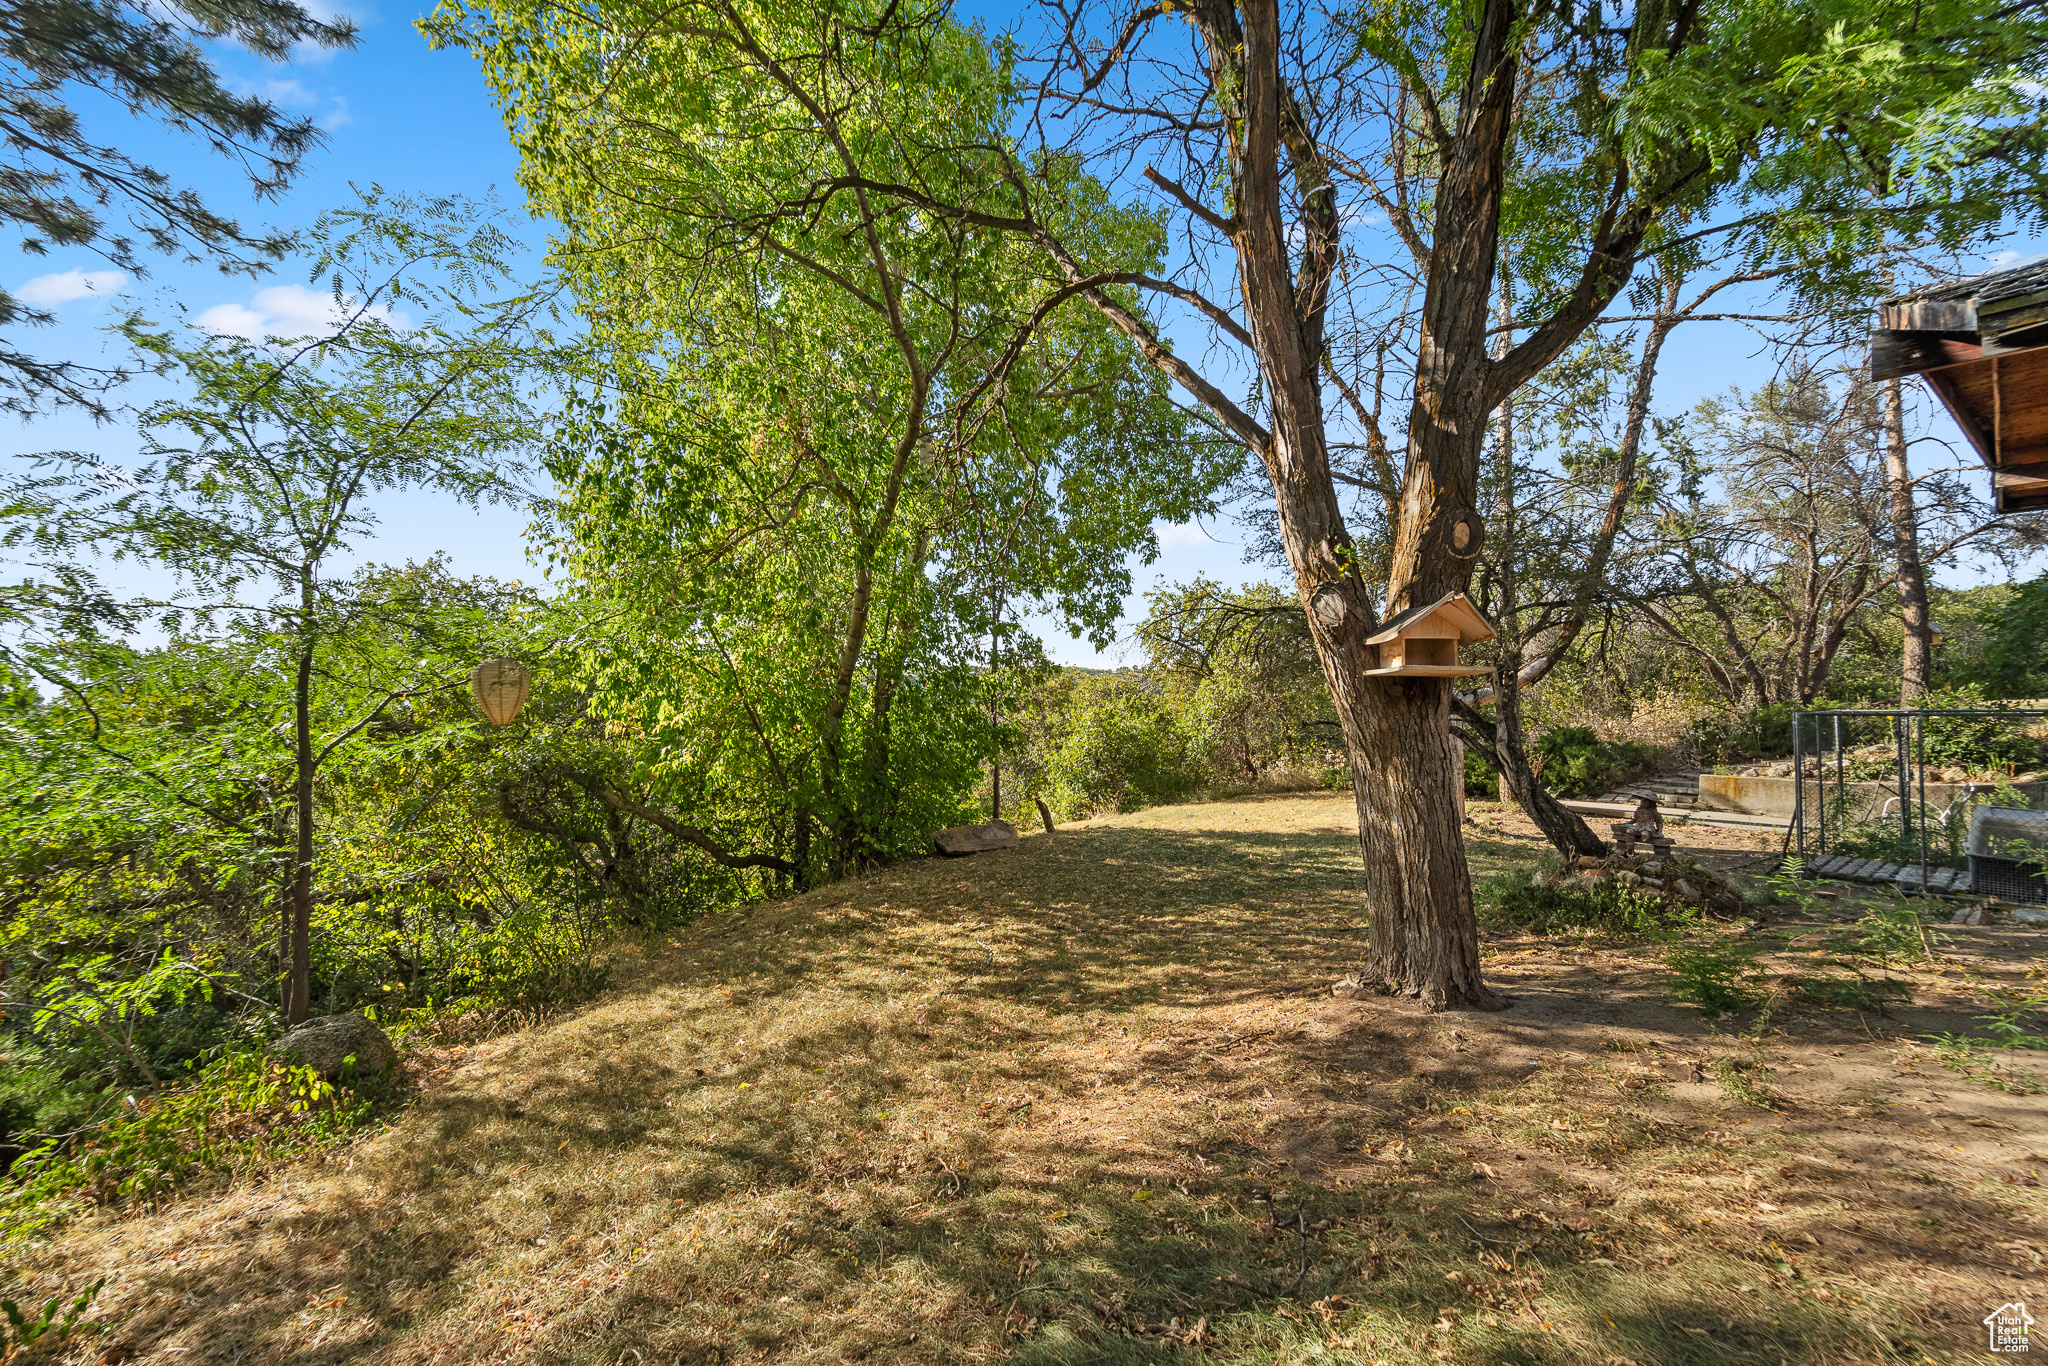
(1406, 775)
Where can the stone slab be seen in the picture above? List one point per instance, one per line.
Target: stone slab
(976, 839)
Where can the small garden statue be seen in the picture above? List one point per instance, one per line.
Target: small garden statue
(1645, 826)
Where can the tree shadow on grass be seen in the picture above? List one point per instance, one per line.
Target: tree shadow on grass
(1083, 1101)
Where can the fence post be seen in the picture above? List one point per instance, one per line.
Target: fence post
(1799, 785)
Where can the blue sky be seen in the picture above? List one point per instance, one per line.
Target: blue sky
(409, 119)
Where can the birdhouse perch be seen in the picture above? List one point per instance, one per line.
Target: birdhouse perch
(1423, 642)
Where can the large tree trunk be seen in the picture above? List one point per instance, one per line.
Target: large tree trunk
(1916, 663)
(1405, 768)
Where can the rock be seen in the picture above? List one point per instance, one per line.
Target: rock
(1629, 879)
(1686, 890)
(2028, 916)
(975, 839)
(1970, 915)
(326, 1044)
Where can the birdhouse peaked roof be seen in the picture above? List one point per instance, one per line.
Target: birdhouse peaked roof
(1456, 611)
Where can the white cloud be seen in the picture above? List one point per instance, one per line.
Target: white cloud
(47, 291)
(2009, 258)
(290, 93)
(285, 311)
(1185, 533)
(287, 92)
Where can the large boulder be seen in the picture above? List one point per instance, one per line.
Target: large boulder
(974, 839)
(326, 1044)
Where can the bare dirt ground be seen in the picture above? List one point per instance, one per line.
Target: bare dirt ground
(1091, 1100)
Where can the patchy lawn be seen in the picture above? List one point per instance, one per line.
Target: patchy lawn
(1090, 1100)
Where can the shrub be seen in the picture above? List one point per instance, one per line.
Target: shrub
(1716, 978)
(1482, 779)
(1754, 734)
(1977, 743)
(37, 1097)
(239, 1109)
(1123, 750)
(2012, 663)
(1575, 762)
(1523, 901)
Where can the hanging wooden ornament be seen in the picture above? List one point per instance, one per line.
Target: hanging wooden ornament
(500, 686)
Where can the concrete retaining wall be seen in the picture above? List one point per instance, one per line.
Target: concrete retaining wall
(1774, 796)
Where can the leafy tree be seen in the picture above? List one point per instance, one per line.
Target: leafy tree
(2011, 661)
(1272, 126)
(825, 452)
(1781, 544)
(1240, 670)
(1122, 748)
(1270, 132)
(60, 185)
(253, 481)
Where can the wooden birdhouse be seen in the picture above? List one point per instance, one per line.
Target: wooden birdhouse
(1423, 642)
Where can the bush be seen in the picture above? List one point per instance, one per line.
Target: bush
(38, 1097)
(1575, 762)
(1761, 732)
(1978, 743)
(240, 1109)
(2012, 663)
(1717, 978)
(1123, 750)
(1482, 779)
(1524, 901)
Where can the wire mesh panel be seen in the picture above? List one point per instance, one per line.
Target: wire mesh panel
(2008, 851)
(1890, 786)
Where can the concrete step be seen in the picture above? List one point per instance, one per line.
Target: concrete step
(1636, 794)
(1621, 811)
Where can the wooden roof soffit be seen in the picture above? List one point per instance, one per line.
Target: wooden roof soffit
(1982, 346)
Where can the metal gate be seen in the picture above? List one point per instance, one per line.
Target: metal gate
(1906, 731)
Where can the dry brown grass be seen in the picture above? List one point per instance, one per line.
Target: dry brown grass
(1090, 1101)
